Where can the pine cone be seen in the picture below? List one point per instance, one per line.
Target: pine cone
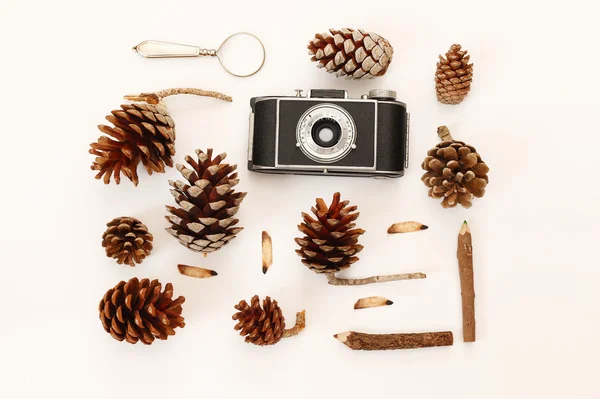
(453, 76)
(137, 310)
(330, 241)
(127, 240)
(261, 325)
(354, 54)
(142, 132)
(454, 172)
(204, 222)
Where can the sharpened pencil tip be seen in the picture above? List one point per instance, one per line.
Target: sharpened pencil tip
(388, 302)
(265, 270)
(424, 227)
(213, 273)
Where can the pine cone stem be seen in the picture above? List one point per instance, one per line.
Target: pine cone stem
(334, 280)
(444, 133)
(300, 324)
(154, 98)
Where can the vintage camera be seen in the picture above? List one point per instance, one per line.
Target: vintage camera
(327, 133)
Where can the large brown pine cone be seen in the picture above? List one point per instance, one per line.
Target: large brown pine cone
(454, 172)
(453, 76)
(204, 222)
(142, 132)
(354, 54)
(138, 310)
(331, 241)
(261, 325)
(127, 240)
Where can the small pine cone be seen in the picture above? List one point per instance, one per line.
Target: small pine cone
(354, 54)
(454, 172)
(261, 325)
(137, 310)
(143, 132)
(330, 241)
(204, 222)
(453, 76)
(127, 240)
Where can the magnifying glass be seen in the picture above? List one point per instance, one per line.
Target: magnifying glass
(241, 54)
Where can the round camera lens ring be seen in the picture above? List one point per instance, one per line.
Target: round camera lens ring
(326, 123)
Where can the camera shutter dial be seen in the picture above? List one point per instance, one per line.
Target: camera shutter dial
(382, 94)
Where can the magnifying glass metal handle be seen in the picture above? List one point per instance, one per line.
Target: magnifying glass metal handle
(156, 49)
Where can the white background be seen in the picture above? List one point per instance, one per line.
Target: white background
(532, 114)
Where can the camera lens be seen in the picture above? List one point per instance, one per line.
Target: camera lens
(326, 132)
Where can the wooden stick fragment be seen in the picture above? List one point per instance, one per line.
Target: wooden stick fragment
(197, 272)
(334, 280)
(467, 286)
(376, 342)
(155, 98)
(372, 302)
(406, 227)
(300, 324)
(267, 252)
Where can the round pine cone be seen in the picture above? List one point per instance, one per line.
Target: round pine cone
(127, 240)
(354, 54)
(137, 310)
(143, 131)
(453, 76)
(454, 172)
(330, 241)
(204, 221)
(261, 325)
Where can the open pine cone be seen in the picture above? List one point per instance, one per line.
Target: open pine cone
(454, 172)
(331, 241)
(354, 54)
(453, 76)
(142, 132)
(127, 240)
(204, 221)
(138, 311)
(260, 325)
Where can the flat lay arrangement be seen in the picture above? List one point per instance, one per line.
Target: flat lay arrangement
(324, 133)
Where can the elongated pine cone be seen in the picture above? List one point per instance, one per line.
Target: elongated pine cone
(455, 172)
(143, 132)
(330, 242)
(138, 311)
(354, 54)
(260, 325)
(453, 76)
(127, 240)
(204, 221)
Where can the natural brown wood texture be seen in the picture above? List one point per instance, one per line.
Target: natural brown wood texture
(334, 280)
(373, 342)
(372, 302)
(267, 252)
(196, 272)
(467, 287)
(406, 227)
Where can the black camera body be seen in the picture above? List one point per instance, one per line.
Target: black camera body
(327, 133)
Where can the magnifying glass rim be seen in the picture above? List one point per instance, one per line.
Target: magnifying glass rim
(264, 51)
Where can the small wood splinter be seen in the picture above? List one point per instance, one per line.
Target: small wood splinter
(376, 342)
(267, 252)
(372, 302)
(406, 227)
(197, 272)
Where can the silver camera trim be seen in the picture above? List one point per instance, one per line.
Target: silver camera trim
(310, 148)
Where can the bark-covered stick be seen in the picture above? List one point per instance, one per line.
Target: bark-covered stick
(156, 97)
(467, 286)
(376, 342)
(299, 326)
(406, 227)
(267, 252)
(334, 280)
(197, 272)
(372, 302)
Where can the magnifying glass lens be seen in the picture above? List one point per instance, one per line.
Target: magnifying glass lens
(242, 54)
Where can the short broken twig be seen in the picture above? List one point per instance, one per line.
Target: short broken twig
(406, 227)
(372, 342)
(299, 326)
(372, 302)
(197, 272)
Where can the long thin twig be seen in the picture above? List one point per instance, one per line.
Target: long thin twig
(300, 324)
(374, 342)
(154, 98)
(334, 280)
(467, 288)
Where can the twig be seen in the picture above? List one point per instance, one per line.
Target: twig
(467, 287)
(372, 302)
(156, 97)
(267, 252)
(300, 324)
(334, 280)
(444, 133)
(373, 342)
(197, 272)
(406, 227)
